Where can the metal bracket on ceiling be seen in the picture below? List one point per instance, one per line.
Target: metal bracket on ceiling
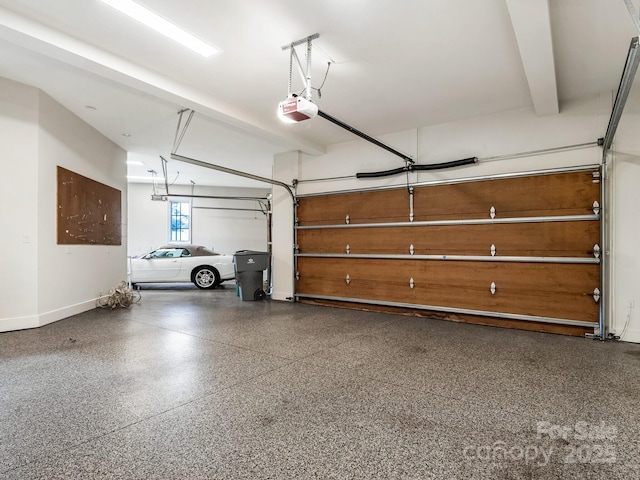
(633, 13)
(180, 133)
(164, 172)
(154, 179)
(306, 76)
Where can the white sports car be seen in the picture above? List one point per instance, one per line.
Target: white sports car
(183, 263)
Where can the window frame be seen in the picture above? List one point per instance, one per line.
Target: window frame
(180, 232)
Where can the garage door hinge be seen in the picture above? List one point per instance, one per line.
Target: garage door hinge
(596, 207)
(411, 216)
(297, 275)
(411, 283)
(296, 248)
(596, 294)
(492, 212)
(347, 279)
(596, 250)
(348, 249)
(347, 220)
(596, 177)
(493, 288)
(493, 250)
(411, 249)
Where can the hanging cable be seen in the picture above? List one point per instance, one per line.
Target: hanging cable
(319, 89)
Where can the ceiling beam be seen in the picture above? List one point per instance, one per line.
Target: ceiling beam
(532, 27)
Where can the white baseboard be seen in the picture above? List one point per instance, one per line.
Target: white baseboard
(284, 296)
(65, 312)
(631, 335)
(19, 323)
(34, 321)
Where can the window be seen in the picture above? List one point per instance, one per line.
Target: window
(180, 213)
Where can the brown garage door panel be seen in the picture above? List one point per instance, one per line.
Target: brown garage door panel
(547, 290)
(530, 196)
(577, 331)
(362, 207)
(542, 195)
(548, 239)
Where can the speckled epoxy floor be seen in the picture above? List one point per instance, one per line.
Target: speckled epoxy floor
(194, 384)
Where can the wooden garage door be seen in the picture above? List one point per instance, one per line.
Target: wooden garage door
(521, 251)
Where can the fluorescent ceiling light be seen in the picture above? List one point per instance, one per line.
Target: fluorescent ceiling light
(159, 24)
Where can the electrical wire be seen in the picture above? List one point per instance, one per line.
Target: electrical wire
(319, 89)
(626, 324)
(176, 178)
(120, 296)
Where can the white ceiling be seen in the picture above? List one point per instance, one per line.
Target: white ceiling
(398, 65)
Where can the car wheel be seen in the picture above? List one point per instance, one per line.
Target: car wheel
(206, 278)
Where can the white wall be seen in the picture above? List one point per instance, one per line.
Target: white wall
(625, 244)
(42, 281)
(71, 277)
(18, 204)
(495, 135)
(285, 167)
(225, 230)
(625, 220)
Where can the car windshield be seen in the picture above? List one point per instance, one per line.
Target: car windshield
(165, 253)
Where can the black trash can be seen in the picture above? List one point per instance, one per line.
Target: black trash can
(249, 266)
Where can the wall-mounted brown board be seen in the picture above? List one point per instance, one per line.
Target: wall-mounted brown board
(88, 212)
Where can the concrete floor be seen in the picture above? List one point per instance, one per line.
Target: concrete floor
(193, 384)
